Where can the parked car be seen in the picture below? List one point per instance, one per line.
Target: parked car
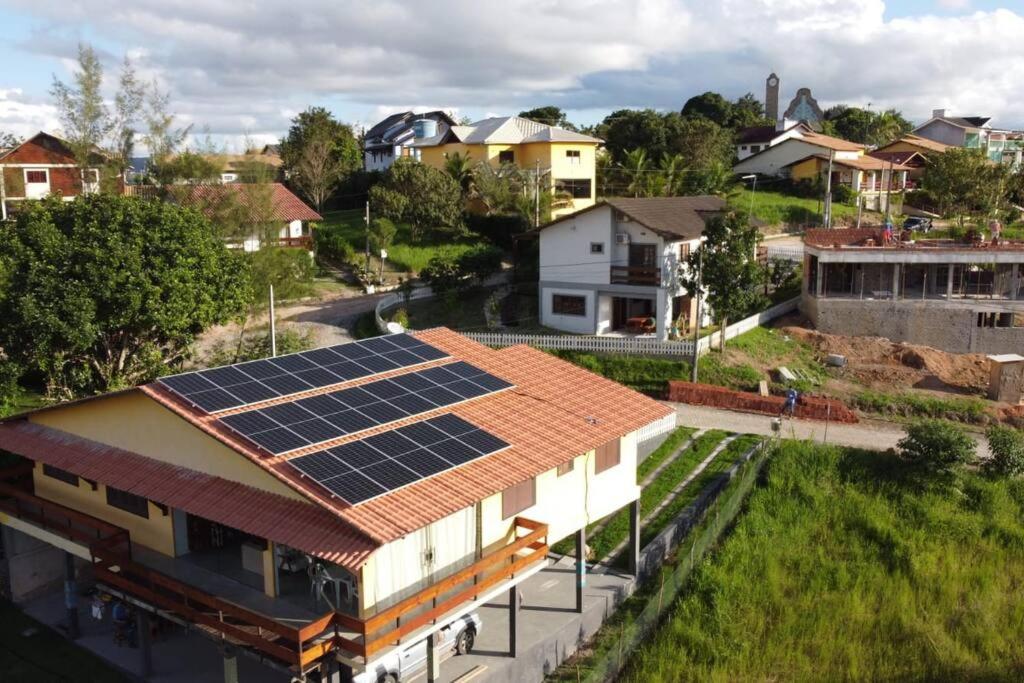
(403, 663)
(919, 223)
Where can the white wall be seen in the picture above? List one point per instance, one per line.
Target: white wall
(581, 324)
(773, 161)
(565, 248)
(295, 229)
(744, 151)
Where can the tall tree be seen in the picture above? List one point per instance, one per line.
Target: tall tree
(162, 138)
(551, 115)
(748, 111)
(711, 106)
(965, 183)
(628, 129)
(319, 152)
(637, 169)
(730, 271)
(460, 167)
(418, 194)
(108, 291)
(8, 140)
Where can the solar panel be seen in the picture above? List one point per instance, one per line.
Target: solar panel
(348, 411)
(255, 381)
(361, 470)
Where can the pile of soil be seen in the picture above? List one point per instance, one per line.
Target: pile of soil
(881, 363)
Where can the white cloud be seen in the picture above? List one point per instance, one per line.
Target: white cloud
(954, 4)
(24, 116)
(236, 70)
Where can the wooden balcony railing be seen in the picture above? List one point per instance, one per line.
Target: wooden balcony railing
(110, 548)
(635, 275)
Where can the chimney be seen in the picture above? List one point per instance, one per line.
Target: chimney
(938, 113)
(771, 97)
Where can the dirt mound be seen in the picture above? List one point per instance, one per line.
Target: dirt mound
(878, 361)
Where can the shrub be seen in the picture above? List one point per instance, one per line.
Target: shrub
(447, 273)
(442, 274)
(258, 346)
(401, 316)
(971, 410)
(1006, 445)
(289, 270)
(937, 446)
(480, 263)
(329, 243)
(500, 229)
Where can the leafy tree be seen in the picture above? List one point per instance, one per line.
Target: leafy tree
(864, 126)
(730, 269)
(628, 129)
(8, 140)
(636, 169)
(888, 125)
(711, 106)
(319, 152)
(747, 111)
(551, 115)
(672, 176)
(109, 291)
(965, 183)
(289, 269)
(162, 138)
(937, 447)
(1006, 446)
(702, 143)
(188, 168)
(418, 194)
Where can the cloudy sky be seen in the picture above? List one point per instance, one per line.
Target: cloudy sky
(247, 66)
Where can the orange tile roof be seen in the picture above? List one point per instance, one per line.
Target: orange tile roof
(303, 526)
(829, 142)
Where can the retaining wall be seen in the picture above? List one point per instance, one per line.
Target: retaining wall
(808, 407)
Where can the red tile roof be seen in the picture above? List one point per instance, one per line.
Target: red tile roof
(303, 526)
(555, 412)
(287, 207)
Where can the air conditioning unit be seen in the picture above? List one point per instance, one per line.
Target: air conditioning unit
(622, 238)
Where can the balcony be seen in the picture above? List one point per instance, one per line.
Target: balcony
(300, 648)
(635, 275)
(304, 241)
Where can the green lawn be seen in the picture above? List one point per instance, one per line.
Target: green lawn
(841, 569)
(45, 656)
(649, 375)
(404, 256)
(775, 208)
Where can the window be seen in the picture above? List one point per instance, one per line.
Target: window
(754, 149)
(574, 157)
(566, 467)
(684, 250)
(58, 473)
(129, 502)
(507, 156)
(597, 247)
(577, 188)
(517, 498)
(562, 304)
(92, 176)
(607, 456)
(35, 177)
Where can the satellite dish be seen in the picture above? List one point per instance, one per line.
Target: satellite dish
(395, 328)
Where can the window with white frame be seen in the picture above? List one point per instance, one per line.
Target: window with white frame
(574, 157)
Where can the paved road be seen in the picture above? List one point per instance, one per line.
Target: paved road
(873, 434)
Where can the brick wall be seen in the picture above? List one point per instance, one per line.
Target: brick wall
(808, 407)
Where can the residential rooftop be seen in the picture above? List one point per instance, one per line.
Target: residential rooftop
(871, 238)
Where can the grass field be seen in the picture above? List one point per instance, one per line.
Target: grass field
(44, 656)
(775, 208)
(404, 256)
(840, 569)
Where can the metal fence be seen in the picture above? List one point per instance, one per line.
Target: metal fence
(785, 253)
(697, 529)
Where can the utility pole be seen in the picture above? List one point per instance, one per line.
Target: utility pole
(860, 208)
(888, 190)
(273, 325)
(828, 190)
(697, 321)
(366, 270)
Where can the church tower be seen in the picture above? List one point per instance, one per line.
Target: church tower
(771, 98)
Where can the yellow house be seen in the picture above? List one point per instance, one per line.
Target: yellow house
(565, 159)
(402, 481)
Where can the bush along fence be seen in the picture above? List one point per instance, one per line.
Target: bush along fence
(642, 346)
(665, 566)
(808, 407)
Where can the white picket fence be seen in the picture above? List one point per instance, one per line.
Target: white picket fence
(656, 428)
(785, 253)
(640, 346)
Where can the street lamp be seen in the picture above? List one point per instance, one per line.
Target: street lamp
(753, 189)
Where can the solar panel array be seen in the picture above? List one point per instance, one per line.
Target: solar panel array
(239, 385)
(316, 419)
(360, 470)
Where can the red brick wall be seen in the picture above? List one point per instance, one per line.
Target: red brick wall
(808, 407)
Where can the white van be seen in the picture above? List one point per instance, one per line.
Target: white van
(405, 663)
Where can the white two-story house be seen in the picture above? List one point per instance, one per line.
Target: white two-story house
(614, 267)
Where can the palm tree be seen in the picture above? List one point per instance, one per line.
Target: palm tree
(460, 167)
(887, 126)
(636, 167)
(672, 174)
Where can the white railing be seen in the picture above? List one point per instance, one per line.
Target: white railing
(640, 346)
(656, 428)
(785, 253)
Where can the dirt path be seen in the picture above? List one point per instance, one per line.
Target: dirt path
(875, 435)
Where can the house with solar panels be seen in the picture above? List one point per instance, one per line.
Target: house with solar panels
(322, 508)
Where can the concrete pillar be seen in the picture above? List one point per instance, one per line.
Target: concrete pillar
(513, 614)
(820, 278)
(662, 312)
(71, 596)
(895, 281)
(433, 659)
(949, 283)
(634, 537)
(230, 664)
(145, 640)
(581, 566)
(1015, 282)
